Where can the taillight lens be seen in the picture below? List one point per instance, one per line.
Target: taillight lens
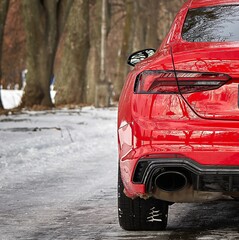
(165, 82)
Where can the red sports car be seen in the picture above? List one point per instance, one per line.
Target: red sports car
(178, 118)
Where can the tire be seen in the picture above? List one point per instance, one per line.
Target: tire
(139, 214)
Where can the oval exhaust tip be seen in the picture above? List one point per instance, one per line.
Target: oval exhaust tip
(171, 181)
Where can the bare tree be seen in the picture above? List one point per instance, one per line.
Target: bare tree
(126, 48)
(71, 72)
(93, 66)
(14, 43)
(3, 13)
(103, 41)
(102, 98)
(98, 84)
(92, 48)
(44, 22)
(168, 10)
(145, 25)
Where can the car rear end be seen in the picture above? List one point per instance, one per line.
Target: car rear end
(179, 110)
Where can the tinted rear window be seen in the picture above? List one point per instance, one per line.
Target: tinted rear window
(212, 24)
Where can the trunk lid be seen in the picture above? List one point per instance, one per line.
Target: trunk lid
(223, 102)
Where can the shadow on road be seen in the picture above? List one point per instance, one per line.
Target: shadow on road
(215, 220)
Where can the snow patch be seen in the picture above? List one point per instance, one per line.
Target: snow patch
(12, 98)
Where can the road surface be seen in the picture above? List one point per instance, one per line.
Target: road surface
(58, 173)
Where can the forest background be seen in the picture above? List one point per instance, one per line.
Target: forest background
(79, 45)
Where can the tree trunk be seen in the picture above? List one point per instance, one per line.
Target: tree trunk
(71, 74)
(3, 14)
(126, 46)
(145, 33)
(93, 61)
(103, 41)
(168, 10)
(43, 25)
(152, 40)
(13, 52)
(103, 91)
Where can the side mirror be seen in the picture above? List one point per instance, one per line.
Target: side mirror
(138, 56)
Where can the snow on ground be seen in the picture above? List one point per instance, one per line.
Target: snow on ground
(58, 180)
(52, 162)
(34, 142)
(12, 98)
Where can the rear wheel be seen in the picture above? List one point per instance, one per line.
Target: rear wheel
(139, 214)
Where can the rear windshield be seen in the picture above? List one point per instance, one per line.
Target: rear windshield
(212, 24)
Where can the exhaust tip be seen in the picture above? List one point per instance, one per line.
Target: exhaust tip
(171, 181)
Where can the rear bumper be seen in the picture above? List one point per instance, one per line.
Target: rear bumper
(207, 150)
(203, 177)
(139, 175)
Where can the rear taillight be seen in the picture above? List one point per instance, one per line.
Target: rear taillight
(165, 82)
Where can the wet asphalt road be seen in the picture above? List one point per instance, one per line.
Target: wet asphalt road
(56, 208)
(76, 198)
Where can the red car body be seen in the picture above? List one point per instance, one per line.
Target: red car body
(195, 131)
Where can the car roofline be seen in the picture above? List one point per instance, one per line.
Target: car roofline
(210, 3)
